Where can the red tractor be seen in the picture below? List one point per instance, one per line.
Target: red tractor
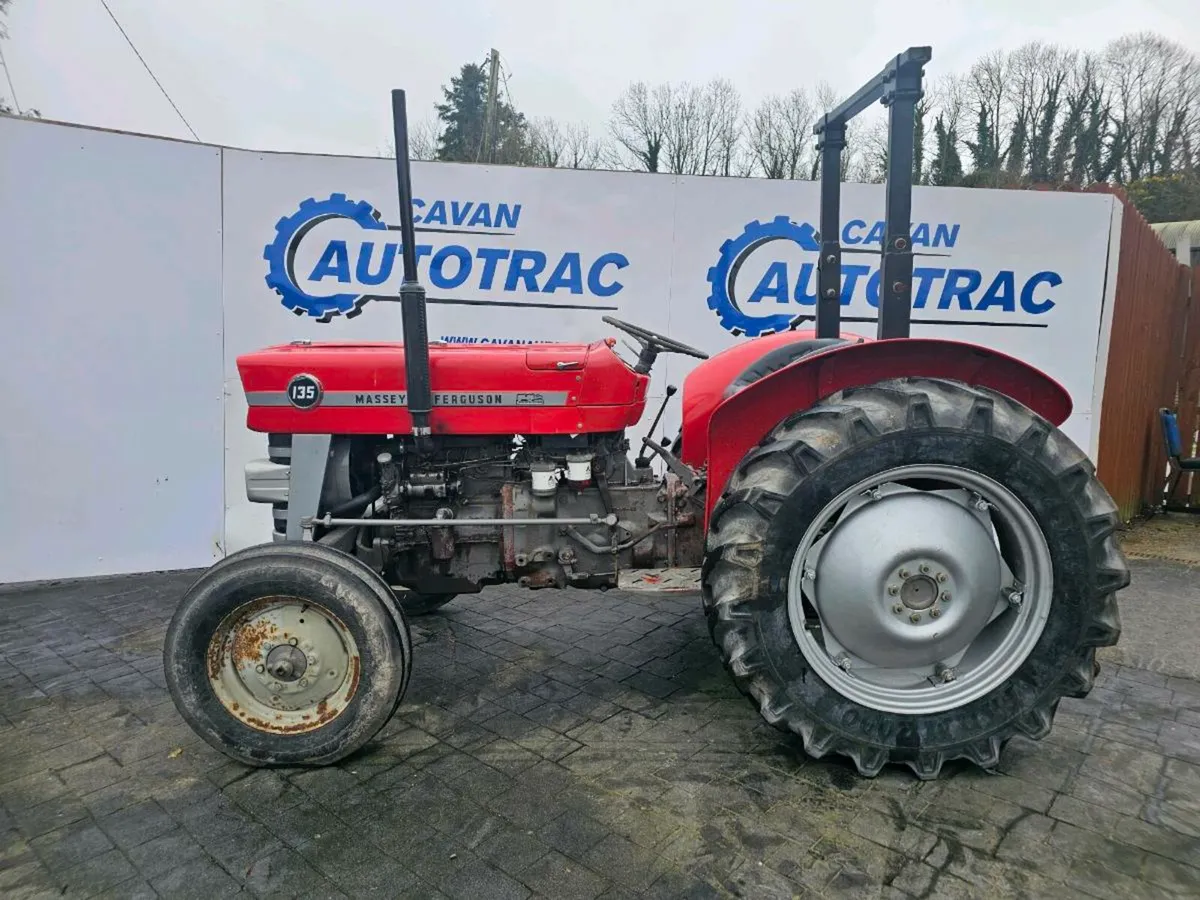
(901, 557)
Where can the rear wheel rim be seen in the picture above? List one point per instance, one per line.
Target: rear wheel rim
(283, 665)
(920, 589)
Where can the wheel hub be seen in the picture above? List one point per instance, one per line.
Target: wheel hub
(910, 588)
(890, 552)
(287, 663)
(282, 665)
(919, 592)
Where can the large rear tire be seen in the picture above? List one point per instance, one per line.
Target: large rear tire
(913, 572)
(289, 653)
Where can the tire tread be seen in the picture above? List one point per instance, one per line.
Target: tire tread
(740, 522)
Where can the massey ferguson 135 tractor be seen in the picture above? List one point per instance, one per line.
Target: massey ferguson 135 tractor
(901, 557)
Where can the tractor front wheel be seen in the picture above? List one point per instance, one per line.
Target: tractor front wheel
(288, 654)
(913, 572)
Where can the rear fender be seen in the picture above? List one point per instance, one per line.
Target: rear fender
(742, 421)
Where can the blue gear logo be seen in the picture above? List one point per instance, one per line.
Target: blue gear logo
(734, 253)
(280, 255)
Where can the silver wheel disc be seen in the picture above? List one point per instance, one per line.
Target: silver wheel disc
(920, 589)
(283, 666)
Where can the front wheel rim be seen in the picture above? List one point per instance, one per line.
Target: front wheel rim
(283, 665)
(920, 589)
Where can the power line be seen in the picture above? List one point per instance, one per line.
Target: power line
(149, 71)
(12, 90)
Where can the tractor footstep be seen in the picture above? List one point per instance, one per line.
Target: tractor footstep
(657, 581)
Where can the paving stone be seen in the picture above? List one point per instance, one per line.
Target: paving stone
(512, 849)
(557, 744)
(200, 878)
(161, 854)
(479, 879)
(136, 824)
(285, 873)
(103, 873)
(555, 875)
(355, 866)
(70, 845)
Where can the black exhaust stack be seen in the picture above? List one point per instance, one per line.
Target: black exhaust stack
(897, 87)
(412, 295)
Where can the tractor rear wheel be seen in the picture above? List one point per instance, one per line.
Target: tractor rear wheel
(913, 572)
(288, 653)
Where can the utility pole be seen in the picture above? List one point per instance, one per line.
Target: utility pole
(489, 117)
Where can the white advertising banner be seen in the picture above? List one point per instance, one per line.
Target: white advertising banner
(142, 268)
(1022, 272)
(110, 352)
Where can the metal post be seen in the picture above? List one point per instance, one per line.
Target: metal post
(896, 263)
(898, 87)
(412, 295)
(830, 142)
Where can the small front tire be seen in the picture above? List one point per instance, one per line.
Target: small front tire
(288, 653)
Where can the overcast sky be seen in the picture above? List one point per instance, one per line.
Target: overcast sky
(314, 76)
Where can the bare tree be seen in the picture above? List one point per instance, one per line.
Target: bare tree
(826, 98)
(1155, 87)
(639, 124)
(723, 105)
(780, 135)
(422, 141)
(569, 146)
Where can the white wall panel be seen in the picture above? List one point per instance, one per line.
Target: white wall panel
(110, 352)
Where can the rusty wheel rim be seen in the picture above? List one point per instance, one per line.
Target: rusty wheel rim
(282, 665)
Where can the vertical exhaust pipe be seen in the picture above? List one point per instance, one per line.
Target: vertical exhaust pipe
(412, 295)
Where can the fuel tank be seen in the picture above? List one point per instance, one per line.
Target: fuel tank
(359, 388)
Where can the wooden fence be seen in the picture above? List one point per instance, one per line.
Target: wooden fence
(1153, 361)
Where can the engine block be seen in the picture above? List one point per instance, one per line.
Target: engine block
(582, 512)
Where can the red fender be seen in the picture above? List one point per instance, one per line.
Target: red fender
(739, 423)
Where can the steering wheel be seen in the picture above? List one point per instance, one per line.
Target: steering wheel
(652, 343)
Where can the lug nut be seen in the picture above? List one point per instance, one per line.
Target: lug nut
(945, 597)
(898, 608)
(260, 668)
(945, 673)
(893, 590)
(903, 573)
(941, 577)
(312, 660)
(915, 618)
(293, 641)
(277, 686)
(935, 612)
(924, 569)
(303, 682)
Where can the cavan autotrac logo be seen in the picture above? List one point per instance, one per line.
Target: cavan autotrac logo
(280, 255)
(765, 296)
(330, 257)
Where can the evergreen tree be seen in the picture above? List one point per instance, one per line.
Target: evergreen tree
(945, 168)
(464, 117)
(919, 141)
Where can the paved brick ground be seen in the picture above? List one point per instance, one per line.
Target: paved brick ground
(560, 746)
